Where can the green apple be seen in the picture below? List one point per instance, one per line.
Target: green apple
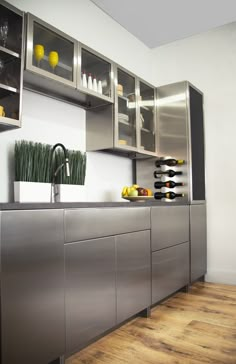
(133, 193)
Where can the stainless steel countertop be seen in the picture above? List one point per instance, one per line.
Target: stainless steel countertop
(68, 205)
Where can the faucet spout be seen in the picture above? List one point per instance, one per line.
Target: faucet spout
(65, 164)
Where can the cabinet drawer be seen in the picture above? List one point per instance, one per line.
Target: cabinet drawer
(169, 226)
(89, 223)
(170, 271)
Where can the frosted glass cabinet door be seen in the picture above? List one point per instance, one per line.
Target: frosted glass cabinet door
(126, 111)
(147, 119)
(50, 52)
(96, 74)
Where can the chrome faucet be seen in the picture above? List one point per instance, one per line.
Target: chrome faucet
(54, 191)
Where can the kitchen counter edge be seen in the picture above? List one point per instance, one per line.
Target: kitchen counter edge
(76, 205)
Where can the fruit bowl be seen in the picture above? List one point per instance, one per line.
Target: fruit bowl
(138, 198)
(136, 193)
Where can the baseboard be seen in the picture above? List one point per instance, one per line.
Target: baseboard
(226, 277)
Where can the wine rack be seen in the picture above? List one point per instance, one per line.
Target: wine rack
(169, 184)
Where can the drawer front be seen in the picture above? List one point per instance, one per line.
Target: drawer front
(170, 271)
(169, 226)
(89, 223)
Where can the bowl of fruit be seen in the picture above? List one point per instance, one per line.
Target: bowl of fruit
(136, 193)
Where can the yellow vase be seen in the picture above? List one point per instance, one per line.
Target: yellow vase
(53, 59)
(38, 52)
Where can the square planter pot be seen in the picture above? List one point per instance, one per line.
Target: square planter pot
(32, 192)
(71, 193)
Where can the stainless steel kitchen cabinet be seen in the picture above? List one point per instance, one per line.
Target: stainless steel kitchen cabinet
(32, 286)
(90, 290)
(54, 65)
(170, 271)
(198, 246)
(128, 126)
(169, 226)
(133, 273)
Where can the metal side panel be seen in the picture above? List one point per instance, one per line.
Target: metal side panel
(32, 279)
(82, 224)
(170, 271)
(198, 241)
(169, 226)
(90, 290)
(133, 274)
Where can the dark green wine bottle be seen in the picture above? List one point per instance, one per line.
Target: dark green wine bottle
(169, 173)
(169, 162)
(169, 195)
(168, 184)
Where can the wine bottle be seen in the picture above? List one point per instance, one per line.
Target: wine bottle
(169, 162)
(169, 195)
(168, 184)
(169, 173)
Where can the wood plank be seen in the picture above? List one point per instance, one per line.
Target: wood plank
(188, 328)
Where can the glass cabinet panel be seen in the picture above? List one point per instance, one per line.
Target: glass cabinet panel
(95, 73)
(126, 109)
(147, 118)
(50, 52)
(11, 28)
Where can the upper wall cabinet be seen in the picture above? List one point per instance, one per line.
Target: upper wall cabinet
(128, 126)
(11, 66)
(59, 66)
(50, 53)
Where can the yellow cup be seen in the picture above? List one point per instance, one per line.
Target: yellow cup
(53, 59)
(38, 52)
(2, 112)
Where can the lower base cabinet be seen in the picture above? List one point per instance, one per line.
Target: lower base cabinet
(133, 274)
(32, 286)
(107, 281)
(170, 271)
(90, 290)
(198, 241)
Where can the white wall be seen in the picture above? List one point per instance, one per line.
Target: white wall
(208, 60)
(51, 121)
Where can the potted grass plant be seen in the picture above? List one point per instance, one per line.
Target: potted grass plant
(33, 174)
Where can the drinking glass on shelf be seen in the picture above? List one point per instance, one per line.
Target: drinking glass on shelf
(4, 32)
(1, 66)
(38, 53)
(53, 59)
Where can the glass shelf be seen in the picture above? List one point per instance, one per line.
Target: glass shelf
(5, 53)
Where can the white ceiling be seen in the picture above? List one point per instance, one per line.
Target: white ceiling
(157, 22)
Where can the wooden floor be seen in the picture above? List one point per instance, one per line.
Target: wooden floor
(188, 328)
